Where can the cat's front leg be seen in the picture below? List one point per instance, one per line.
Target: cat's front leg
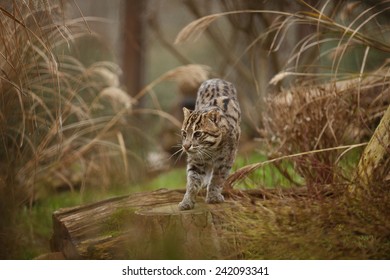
(195, 176)
(214, 189)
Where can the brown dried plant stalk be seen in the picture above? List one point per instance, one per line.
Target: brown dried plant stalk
(61, 122)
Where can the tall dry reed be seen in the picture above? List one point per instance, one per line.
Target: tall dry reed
(62, 123)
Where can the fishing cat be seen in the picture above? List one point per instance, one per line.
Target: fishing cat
(210, 136)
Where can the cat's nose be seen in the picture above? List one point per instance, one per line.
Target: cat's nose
(186, 146)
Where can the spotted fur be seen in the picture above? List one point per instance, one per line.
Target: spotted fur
(210, 136)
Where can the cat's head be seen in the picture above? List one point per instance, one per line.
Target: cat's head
(201, 130)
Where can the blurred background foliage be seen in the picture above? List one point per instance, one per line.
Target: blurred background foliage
(92, 92)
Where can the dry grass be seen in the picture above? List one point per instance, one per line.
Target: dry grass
(62, 123)
(300, 226)
(304, 119)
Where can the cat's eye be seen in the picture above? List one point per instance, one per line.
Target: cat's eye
(197, 134)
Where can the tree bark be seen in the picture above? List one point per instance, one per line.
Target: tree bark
(374, 164)
(133, 45)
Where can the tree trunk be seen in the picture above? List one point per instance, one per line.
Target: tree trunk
(133, 45)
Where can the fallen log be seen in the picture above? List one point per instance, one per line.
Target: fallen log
(141, 226)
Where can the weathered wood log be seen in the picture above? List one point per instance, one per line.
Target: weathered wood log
(140, 226)
(374, 164)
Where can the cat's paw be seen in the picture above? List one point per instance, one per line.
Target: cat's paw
(216, 198)
(186, 205)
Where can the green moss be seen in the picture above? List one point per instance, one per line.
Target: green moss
(119, 221)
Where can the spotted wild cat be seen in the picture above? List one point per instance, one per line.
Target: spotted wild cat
(210, 136)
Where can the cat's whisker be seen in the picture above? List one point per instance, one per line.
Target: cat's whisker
(179, 157)
(207, 154)
(180, 151)
(202, 157)
(175, 153)
(178, 145)
(202, 154)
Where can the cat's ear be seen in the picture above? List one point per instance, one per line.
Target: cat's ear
(186, 112)
(214, 116)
